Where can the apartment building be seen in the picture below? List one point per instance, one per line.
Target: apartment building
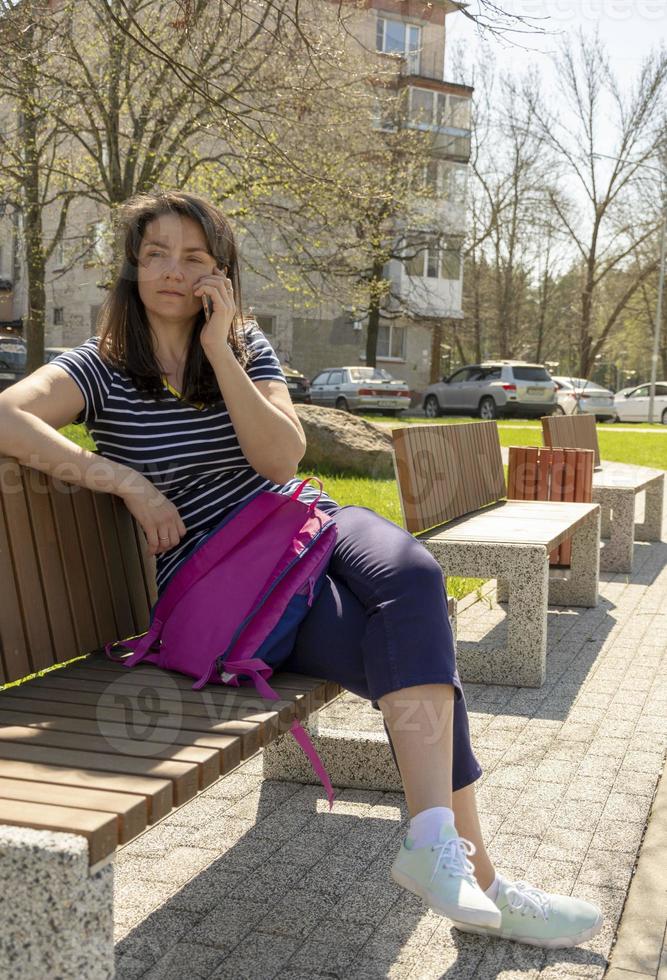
(430, 284)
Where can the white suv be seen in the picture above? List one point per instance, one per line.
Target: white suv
(493, 389)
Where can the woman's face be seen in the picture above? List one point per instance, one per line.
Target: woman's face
(173, 256)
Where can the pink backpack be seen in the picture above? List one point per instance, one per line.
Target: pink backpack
(231, 611)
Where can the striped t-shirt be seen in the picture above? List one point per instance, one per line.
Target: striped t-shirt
(191, 454)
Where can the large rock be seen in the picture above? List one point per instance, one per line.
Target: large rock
(341, 441)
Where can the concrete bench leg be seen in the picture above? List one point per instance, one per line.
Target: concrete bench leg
(618, 550)
(523, 572)
(56, 918)
(581, 587)
(651, 527)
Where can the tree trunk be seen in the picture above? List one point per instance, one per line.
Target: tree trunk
(32, 227)
(374, 314)
(436, 352)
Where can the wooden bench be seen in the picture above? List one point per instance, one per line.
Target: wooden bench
(93, 749)
(452, 490)
(616, 487)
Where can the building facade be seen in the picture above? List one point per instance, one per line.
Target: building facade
(430, 283)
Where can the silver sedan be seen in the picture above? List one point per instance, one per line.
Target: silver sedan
(358, 389)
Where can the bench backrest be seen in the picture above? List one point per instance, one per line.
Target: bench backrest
(74, 571)
(571, 432)
(446, 471)
(540, 473)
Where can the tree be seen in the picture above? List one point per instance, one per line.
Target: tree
(594, 201)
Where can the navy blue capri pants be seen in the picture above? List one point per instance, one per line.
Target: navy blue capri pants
(380, 622)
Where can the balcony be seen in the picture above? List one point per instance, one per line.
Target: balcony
(434, 105)
(442, 108)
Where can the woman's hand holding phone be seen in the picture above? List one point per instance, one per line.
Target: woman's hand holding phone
(217, 294)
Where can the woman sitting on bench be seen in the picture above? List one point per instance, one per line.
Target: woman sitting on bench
(191, 414)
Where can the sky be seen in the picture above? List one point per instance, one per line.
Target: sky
(628, 29)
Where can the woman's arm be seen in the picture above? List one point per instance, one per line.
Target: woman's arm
(31, 412)
(268, 429)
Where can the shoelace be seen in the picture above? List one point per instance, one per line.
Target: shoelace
(522, 897)
(453, 856)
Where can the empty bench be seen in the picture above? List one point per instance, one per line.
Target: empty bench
(616, 487)
(453, 497)
(91, 753)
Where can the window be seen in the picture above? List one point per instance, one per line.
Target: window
(457, 113)
(369, 374)
(463, 374)
(58, 255)
(444, 179)
(335, 378)
(96, 241)
(437, 110)
(421, 106)
(94, 313)
(58, 318)
(454, 182)
(320, 379)
(414, 263)
(267, 324)
(661, 390)
(450, 265)
(391, 341)
(428, 261)
(530, 374)
(397, 37)
(642, 392)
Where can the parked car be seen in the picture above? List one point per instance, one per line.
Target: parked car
(493, 389)
(13, 358)
(577, 396)
(297, 383)
(355, 389)
(633, 405)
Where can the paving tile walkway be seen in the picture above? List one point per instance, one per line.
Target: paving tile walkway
(256, 879)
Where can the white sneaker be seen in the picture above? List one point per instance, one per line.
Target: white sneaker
(443, 876)
(532, 916)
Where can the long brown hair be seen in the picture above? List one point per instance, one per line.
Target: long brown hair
(124, 331)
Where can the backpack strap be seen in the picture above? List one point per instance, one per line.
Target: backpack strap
(257, 669)
(141, 649)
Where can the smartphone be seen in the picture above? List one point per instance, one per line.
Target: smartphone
(208, 307)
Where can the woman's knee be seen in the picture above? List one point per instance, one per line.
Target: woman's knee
(423, 571)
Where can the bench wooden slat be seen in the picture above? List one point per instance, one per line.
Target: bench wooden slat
(228, 747)
(249, 731)
(100, 829)
(14, 661)
(189, 703)
(31, 611)
(63, 500)
(183, 775)
(129, 810)
(206, 760)
(175, 713)
(157, 793)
